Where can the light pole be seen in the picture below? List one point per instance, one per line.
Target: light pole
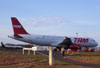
(77, 34)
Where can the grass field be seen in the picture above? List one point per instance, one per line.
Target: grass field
(85, 53)
(87, 57)
(17, 60)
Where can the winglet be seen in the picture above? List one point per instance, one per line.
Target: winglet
(17, 27)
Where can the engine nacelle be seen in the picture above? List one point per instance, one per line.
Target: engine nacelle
(75, 47)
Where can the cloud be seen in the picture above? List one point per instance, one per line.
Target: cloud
(44, 20)
(98, 8)
(78, 14)
(83, 22)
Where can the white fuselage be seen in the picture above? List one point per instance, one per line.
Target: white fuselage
(55, 40)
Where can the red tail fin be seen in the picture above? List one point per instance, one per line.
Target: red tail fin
(17, 27)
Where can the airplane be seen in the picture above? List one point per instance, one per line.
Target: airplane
(45, 40)
(10, 46)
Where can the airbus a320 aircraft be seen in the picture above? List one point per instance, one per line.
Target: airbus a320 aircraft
(56, 41)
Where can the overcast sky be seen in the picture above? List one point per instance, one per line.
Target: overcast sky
(51, 17)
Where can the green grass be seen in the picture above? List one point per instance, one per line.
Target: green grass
(37, 57)
(86, 53)
(89, 54)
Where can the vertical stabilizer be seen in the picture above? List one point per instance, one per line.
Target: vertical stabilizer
(17, 27)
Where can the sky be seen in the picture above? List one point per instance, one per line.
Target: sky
(51, 17)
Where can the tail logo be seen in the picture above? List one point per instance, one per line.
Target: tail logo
(17, 26)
